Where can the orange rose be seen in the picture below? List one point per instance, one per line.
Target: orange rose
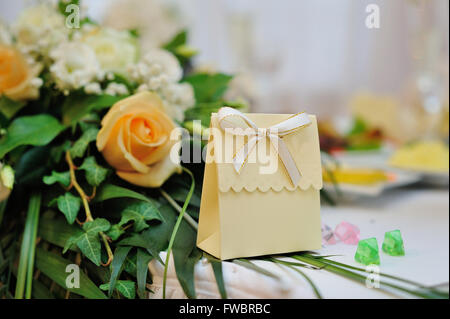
(135, 139)
(16, 75)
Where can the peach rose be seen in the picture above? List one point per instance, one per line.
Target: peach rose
(16, 75)
(135, 139)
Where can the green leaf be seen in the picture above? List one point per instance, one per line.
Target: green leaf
(27, 249)
(179, 39)
(139, 213)
(32, 166)
(126, 287)
(143, 258)
(96, 226)
(35, 130)
(78, 105)
(115, 232)
(178, 46)
(63, 178)
(156, 238)
(208, 87)
(80, 146)
(130, 264)
(120, 254)
(57, 231)
(95, 174)
(88, 241)
(54, 267)
(63, 4)
(69, 205)
(89, 245)
(9, 107)
(109, 191)
(186, 255)
(218, 274)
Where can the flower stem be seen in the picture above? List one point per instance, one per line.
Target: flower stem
(175, 229)
(177, 207)
(85, 199)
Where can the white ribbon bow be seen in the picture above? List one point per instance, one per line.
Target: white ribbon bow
(255, 134)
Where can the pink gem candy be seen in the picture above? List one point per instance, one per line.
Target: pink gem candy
(327, 235)
(348, 233)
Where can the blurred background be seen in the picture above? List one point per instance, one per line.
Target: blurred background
(318, 56)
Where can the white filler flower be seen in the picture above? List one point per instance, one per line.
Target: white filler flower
(75, 65)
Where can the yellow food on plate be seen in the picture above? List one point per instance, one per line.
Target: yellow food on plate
(359, 176)
(429, 156)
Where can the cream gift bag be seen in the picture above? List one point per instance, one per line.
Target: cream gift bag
(261, 186)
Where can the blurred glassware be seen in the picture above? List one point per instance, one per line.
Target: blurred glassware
(430, 59)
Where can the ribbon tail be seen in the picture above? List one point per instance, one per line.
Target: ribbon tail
(241, 156)
(286, 159)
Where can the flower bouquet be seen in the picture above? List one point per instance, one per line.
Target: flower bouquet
(99, 165)
(90, 155)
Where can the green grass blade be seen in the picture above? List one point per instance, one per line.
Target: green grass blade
(175, 229)
(120, 254)
(362, 279)
(248, 264)
(28, 244)
(54, 266)
(292, 266)
(216, 265)
(31, 254)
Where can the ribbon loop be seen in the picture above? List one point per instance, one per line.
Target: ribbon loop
(274, 133)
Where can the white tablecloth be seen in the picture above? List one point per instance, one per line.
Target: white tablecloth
(422, 215)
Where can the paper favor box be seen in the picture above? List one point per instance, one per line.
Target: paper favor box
(252, 213)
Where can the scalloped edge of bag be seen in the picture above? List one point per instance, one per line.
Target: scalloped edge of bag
(251, 188)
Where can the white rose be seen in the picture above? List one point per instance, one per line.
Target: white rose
(40, 27)
(75, 65)
(115, 50)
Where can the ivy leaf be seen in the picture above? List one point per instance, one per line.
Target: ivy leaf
(156, 238)
(95, 174)
(115, 232)
(63, 178)
(96, 226)
(208, 87)
(69, 205)
(139, 213)
(88, 241)
(89, 245)
(34, 130)
(126, 287)
(79, 147)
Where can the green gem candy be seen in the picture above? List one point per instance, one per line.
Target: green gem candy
(367, 252)
(393, 243)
